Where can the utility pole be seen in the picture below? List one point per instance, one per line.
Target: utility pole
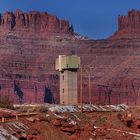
(138, 98)
(81, 88)
(35, 91)
(89, 83)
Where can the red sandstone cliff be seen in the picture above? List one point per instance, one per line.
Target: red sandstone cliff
(27, 63)
(33, 21)
(128, 25)
(129, 22)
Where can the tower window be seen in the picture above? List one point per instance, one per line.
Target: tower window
(63, 77)
(63, 90)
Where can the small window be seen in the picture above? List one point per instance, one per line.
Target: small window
(63, 90)
(63, 77)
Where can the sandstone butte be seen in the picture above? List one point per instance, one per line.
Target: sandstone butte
(30, 43)
(33, 21)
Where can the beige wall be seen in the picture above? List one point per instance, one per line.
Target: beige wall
(68, 88)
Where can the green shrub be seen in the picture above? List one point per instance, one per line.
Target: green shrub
(5, 102)
(42, 109)
(22, 109)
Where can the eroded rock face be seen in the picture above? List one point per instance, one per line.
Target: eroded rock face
(34, 21)
(8, 20)
(131, 21)
(27, 59)
(129, 25)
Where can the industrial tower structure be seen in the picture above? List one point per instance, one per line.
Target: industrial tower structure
(68, 67)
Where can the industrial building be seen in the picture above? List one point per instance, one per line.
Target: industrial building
(68, 67)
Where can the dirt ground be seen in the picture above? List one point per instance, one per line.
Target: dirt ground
(93, 125)
(88, 125)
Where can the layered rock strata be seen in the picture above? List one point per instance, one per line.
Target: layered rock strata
(33, 21)
(27, 63)
(128, 25)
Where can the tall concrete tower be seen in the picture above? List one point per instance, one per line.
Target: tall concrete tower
(68, 67)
